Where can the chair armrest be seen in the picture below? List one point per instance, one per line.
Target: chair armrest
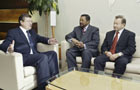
(64, 46)
(11, 71)
(1, 41)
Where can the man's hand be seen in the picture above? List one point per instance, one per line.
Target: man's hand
(81, 45)
(76, 42)
(52, 41)
(11, 47)
(108, 54)
(114, 57)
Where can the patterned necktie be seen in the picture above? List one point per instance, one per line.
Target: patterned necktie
(84, 30)
(113, 47)
(31, 44)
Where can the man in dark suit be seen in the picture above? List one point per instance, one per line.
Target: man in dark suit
(85, 39)
(24, 40)
(119, 45)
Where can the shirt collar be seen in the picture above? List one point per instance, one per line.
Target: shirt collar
(23, 29)
(85, 28)
(120, 31)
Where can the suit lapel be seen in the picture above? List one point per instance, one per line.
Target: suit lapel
(81, 34)
(84, 36)
(112, 37)
(121, 37)
(22, 35)
(33, 39)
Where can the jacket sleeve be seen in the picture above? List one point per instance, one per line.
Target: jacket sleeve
(70, 35)
(9, 38)
(131, 48)
(105, 45)
(41, 39)
(95, 40)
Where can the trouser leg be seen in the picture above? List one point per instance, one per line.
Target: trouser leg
(53, 62)
(40, 61)
(86, 58)
(120, 65)
(100, 62)
(71, 57)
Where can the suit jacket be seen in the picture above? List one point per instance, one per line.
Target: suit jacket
(90, 38)
(21, 43)
(126, 43)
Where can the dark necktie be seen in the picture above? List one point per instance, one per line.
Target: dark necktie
(113, 47)
(31, 44)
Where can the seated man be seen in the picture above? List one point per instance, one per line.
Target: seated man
(23, 39)
(85, 39)
(119, 45)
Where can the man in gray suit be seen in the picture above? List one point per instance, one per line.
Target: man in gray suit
(85, 40)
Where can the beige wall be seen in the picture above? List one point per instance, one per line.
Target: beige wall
(40, 22)
(102, 15)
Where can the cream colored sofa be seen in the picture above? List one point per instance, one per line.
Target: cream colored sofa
(13, 76)
(133, 68)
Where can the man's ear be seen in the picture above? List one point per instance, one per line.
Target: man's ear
(124, 24)
(88, 22)
(21, 21)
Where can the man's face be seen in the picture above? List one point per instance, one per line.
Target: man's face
(118, 25)
(83, 21)
(26, 23)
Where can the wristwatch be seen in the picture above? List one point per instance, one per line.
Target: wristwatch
(120, 54)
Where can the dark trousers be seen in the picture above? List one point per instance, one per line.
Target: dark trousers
(46, 64)
(86, 55)
(120, 64)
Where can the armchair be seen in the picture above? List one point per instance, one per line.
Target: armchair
(13, 76)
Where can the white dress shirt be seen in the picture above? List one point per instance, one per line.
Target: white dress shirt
(25, 33)
(119, 34)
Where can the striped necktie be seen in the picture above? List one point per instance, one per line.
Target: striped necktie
(31, 44)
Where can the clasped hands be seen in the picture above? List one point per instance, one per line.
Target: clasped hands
(77, 43)
(111, 56)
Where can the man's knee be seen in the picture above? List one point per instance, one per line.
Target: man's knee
(97, 59)
(42, 58)
(100, 60)
(53, 53)
(86, 52)
(68, 52)
(122, 61)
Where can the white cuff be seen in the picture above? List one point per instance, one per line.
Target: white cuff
(120, 54)
(70, 40)
(85, 46)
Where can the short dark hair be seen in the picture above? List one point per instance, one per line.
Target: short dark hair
(22, 17)
(87, 16)
(121, 17)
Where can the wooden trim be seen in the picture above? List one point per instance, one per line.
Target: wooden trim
(4, 27)
(59, 51)
(11, 15)
(53, 34)
(13, 4)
